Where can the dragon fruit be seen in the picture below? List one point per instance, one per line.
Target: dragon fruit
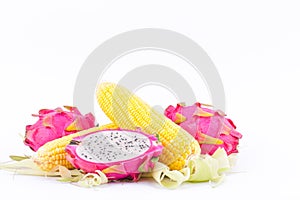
(53, 124)
(209, 127)
(117, 153)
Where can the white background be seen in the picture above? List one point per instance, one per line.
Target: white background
(254, 44)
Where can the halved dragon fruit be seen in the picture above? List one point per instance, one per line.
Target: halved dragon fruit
(117, 153)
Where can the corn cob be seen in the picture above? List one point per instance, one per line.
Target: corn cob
(128, 111)
(53, 153)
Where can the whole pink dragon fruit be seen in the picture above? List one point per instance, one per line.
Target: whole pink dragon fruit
(117, 153)
(209, 127)
(53, 124)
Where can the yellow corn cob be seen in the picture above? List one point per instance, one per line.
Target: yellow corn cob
(128, 111)
(53, 153)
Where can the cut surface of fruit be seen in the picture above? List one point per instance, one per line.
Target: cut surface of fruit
(117, 153)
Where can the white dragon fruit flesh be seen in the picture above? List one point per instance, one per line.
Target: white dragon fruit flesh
(117, 153)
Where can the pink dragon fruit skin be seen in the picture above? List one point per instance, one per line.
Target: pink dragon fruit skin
(83, 155)
(209, 127)
(53, 124)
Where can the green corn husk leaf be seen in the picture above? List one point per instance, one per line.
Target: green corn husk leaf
(26, 166)
(169, 178)
(209, 168)
(93, 179)
(198, 169)
(67, 175)
(18, 158)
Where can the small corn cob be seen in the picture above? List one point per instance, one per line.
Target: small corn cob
(53, 153)
(128, 111)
